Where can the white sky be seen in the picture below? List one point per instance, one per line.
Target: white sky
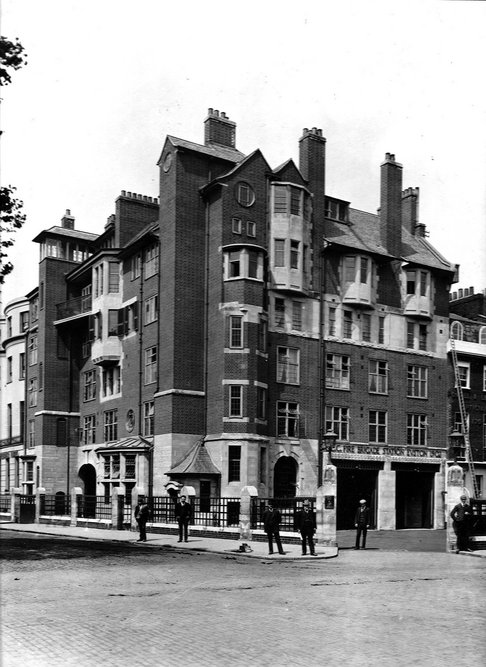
(107, 80)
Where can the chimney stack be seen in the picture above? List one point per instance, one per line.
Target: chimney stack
(312, 165)
(219, 129)
(391, 205)
(67, 221)
(410, 209)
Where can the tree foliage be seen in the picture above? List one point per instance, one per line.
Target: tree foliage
(11, 219)
(12, 57)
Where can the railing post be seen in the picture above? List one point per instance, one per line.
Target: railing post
(76, 499)
(15, 494)
(40, 496)
(117, 508)
(247, 493)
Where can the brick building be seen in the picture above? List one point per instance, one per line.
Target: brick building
(468, 328)
(213, 336)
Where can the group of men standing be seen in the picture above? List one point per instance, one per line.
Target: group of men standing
(305, 523)
(183, 513)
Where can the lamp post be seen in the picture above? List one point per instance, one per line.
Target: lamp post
(327, 445)
(326, 495)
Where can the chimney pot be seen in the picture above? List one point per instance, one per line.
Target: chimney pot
(461, 293)
(219, 129)
(471, 291)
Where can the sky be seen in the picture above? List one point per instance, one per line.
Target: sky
(107, 80)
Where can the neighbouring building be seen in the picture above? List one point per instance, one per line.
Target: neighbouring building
(212, 336)
(16, 467)
(468, 329)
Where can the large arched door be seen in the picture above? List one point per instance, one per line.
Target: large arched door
(87, 475)
(285, 477)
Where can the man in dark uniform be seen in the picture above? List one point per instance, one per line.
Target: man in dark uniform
(141, 517)
(305, 522)
(183, 512)
(271, 525)
(361, 523)
(462, 517)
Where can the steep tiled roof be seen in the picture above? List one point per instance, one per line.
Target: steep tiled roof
(363, 233)
(221, 152)
(196, 462)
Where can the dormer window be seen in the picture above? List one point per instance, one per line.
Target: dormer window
(417, 282)
(336, 209)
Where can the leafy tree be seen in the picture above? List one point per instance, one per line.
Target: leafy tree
(12, 57)
(11, 219)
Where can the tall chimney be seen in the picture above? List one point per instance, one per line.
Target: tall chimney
(410, 209)
(67, 220)
(312, 164)
(391, 205)
(219, 129)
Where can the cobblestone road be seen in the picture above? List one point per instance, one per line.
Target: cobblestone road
(68, 602)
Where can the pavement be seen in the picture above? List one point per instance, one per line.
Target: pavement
(403, 540)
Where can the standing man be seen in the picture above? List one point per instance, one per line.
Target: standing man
(362, 523)
(141, 517)
(183, 512)
(271, 525)
(306, 524)
(462, 516)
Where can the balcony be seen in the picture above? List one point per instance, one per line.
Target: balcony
(80, 305)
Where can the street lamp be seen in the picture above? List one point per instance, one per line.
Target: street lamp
(328, 443)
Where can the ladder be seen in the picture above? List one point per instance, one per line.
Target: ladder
(464, 424)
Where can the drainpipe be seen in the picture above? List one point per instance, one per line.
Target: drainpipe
(322, 360)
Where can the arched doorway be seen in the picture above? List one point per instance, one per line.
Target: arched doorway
(285, 477)
(87, 475)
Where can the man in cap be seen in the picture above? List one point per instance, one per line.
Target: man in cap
(305, 522)
(361, 523)
(462, 515)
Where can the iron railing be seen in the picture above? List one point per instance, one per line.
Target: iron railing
(55, 505)
(75, 306)
(218, 512)
(5, 502)
(127, 511)
(288, 508)
(94, 507)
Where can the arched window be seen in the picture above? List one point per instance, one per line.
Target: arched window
(457, 331)
(482, 336)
